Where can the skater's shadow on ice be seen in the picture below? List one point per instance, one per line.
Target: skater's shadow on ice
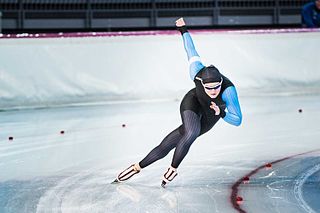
(143, 193)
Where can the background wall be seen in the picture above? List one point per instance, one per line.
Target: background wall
(114, 15)
(39, 72)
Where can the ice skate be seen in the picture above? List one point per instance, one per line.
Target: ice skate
(169, 176)
(128, 173)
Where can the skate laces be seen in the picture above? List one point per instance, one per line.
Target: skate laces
(170, 174)
(129, 172)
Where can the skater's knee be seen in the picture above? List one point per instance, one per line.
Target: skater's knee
(191, 135)
(184, 146)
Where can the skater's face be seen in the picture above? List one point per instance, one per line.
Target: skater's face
(212, 89)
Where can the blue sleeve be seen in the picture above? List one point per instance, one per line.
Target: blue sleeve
(307, 14)
(195, 64)
(233, 115)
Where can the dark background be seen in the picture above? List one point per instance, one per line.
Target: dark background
(33, 16)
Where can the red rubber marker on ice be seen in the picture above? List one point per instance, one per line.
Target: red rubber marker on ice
(239, 200)
(246, 179)
(269, 166)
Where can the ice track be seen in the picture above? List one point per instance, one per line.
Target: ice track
(45, 171)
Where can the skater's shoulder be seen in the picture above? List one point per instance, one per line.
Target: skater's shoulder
(192, 93)
(226, 83)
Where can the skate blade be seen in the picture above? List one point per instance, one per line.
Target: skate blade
(115, 181)
(163, 184)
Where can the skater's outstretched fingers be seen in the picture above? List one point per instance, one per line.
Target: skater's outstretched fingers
(180, 22)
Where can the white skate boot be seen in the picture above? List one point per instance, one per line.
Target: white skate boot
(169, 176)
(128, 173)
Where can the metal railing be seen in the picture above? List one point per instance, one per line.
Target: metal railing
(92, 14)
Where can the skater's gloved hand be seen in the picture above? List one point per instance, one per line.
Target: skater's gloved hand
(180, 22)
(217, 109)
(181, 26)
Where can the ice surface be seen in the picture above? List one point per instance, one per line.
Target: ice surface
(45, 171)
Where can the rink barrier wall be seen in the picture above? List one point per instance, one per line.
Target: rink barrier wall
(144, 33)
(45, 70)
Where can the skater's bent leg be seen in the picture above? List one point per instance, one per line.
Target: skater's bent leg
(168, 143)
(191, 130)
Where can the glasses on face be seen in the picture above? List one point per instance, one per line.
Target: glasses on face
(210, 88)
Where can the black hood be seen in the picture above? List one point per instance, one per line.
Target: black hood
(210, 74)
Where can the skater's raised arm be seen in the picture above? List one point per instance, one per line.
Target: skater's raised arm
(195, 64)
(233, 115)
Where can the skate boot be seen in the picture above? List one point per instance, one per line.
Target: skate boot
(128, 173)
(169, 176)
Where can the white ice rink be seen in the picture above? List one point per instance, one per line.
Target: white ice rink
(42, 170)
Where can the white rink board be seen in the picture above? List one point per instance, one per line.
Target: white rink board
(59, 71)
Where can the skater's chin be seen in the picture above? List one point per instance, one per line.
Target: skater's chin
(213, 96)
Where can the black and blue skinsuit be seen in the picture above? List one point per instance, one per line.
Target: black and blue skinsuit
(196, 114)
